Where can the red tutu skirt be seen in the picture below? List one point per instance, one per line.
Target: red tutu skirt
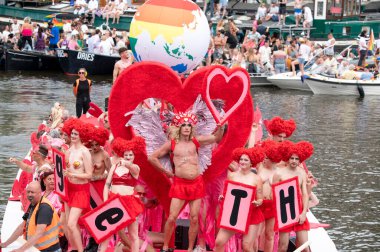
(186, 189)
(79, 195)
(296, 227)
(133, 204)
(256, 216)
(268, 209)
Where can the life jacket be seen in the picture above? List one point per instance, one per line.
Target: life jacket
(51, 232)
(172, 146)
(75, 89)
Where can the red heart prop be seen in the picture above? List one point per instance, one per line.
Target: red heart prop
(235, 73)
(150, 79)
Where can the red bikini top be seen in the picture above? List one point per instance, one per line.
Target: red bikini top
(126, 179)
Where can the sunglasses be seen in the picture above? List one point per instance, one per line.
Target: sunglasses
(141, 193)
(81, 72)
(186, 124)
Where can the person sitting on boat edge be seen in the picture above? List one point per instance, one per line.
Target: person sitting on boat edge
(81, 90)
(41, 224)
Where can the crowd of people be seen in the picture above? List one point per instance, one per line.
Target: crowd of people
(74, 35)
(94, 158)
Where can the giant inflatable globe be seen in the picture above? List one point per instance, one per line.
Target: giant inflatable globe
(173, 32)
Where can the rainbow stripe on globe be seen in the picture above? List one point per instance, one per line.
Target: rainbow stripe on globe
(175, 33)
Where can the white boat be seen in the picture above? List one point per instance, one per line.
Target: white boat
(320, 84)
(288, 81)
(259, 80)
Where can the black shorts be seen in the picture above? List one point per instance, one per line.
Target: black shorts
(52, 47)
(282, 9)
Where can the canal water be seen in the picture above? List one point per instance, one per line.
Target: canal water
(344, 130)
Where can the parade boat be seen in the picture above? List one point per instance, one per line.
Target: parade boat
(30, 61)
(95, 64)
(259, 80)
(288, 81)
(320, 84)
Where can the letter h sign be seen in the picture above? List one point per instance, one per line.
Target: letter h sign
(236, 206)
(286, 196)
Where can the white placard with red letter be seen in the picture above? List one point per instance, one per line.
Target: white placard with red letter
(236, 206)
(59, 180)
(107, 219)
(286, 195)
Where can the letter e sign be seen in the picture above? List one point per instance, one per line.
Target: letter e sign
(236, 206)
(107, 219)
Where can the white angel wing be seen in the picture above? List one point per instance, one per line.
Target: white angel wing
(147, 123)
(205, 126)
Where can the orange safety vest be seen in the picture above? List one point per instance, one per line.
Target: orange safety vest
(51, 232)
(75, 89)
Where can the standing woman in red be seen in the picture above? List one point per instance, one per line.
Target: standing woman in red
(122, 180)
(247, 158)
(78, 173)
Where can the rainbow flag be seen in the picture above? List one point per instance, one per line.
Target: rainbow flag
(371, 41)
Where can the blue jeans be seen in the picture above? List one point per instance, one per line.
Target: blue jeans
(279, 68)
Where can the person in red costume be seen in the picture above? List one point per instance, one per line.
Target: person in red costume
(280, 129)
(247, 159)
(266, 171)
(78, 172)
(188, 185)
(122, 180)
(294, 155)
(100, 158)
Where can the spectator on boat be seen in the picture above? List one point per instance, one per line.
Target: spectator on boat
(292, 53)
(78, 173)
(119, 44)
(223, 4)
(92, 9)
(298, 11)
(122, 64)
(27, 33)
(104, 46)
(349, 74)
(318, 66)
(15, 27)
(41, 223)
(261, 12)
(261, 28)
(330, 64)
(279, 60)
(80, 7)
(40, 39)
(66, 26)
(342, 65)
(117, 12)
(110, 37)
(273, 13)
(330, 44)
(363, 48)
(94, 41)
(82, 90)
(220, 41)
(253, 60)
(47, 186)
(282, 11)
(307, 20)
(254, 35)
(302, 57)
(63, 41)
(122, 180)
(248, 43)
(39, 165)
(220, 25)
(294, 155)
(53, 35)
(73, 43)
(237, 59)
(265, 57)
(109, 10)
(5, 34)
(247, 159)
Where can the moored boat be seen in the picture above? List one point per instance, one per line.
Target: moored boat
(259, 80)
(320, 84)
(29, 61)
(288, 81)
(95, 64)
